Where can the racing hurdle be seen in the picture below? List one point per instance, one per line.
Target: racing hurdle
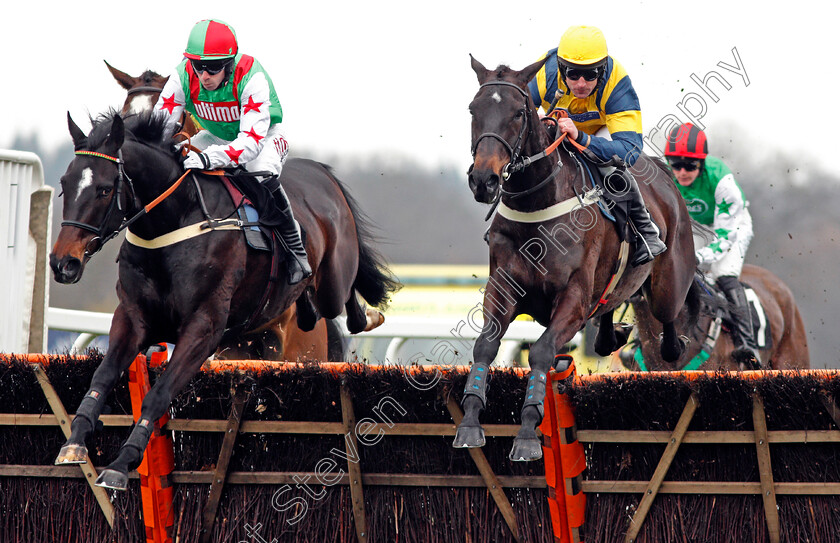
(628, 457)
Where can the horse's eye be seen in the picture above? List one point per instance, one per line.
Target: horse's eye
(102, 192)
(519, 114)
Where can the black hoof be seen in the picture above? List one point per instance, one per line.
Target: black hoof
(747, 357)
(469, 437)
(111, 478)
(672, 353)
(525, 450)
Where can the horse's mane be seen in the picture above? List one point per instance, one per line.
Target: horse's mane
(147, 127)
(149, 76)
(502, 71)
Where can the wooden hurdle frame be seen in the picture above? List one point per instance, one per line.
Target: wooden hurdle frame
(563, 454)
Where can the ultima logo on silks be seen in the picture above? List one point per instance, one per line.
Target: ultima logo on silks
(220, 112)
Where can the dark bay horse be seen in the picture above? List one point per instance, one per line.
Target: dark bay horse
(205, 289)
(283, 341)
(788, 347)
(556, 268)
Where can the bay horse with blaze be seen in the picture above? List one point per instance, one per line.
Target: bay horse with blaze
(565, 282)
(207, 288)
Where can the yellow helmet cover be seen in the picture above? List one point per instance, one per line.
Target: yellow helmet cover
(582, 46)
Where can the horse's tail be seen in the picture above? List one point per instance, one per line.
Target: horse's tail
(374, 281)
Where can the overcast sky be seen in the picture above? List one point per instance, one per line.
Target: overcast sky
(393, 78)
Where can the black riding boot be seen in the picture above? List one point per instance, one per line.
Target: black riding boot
(648, 244)
(746, 350)
(298, 262)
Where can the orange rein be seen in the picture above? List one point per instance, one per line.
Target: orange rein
(184, 150)
(553, 116)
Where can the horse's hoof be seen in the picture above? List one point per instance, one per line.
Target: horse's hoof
(111, 478)
(469, 437)
(373, 319)
(525, 450)
(71, 454)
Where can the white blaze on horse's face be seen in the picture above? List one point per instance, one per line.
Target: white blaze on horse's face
(139, 104)
(85, 182)
(496, 98)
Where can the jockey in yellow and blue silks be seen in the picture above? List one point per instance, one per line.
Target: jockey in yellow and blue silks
(580, 77)
(234, 99)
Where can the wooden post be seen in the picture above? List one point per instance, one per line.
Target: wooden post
(662, 468)
(158, 458)
(490, 479)
(220, 474)
(354, 471)
(64, 421)
(765, 469)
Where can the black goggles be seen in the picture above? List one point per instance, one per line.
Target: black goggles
(573, 74)
(683, 164)
(212, 67)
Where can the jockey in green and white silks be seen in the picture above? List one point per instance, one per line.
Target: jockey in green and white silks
(234, 100)
(715, 199)
(241, 117)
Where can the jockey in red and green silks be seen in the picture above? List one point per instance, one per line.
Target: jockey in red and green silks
(234, 100)
(715, 199)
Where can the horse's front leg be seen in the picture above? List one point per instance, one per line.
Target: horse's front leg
(497, 318)
(196, 343)
(568, 318)
(126, 338)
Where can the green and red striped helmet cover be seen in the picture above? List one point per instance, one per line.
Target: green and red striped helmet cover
(211, 39)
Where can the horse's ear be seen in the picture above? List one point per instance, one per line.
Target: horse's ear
(525, 76)
(79, 138)
(479, 69)
(116, 137)
(125, 80)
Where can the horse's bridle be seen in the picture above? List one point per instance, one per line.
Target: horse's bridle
(135, 90)
(102, 236)
(516, 163)
(513, 150)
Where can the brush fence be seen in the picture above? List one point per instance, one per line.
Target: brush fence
(259, 452)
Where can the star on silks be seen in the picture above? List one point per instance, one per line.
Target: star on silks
(715, 247)
(233, 154)
(254, 135)
(169, 103)
(723, 233)
(723, 207)
(251, 105)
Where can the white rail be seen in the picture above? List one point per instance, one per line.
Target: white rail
(399, 329)
(25, 216)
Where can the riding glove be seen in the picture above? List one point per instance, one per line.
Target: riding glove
(197, 161)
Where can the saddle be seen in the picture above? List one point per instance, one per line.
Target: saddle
(724, 313)
(256, 209)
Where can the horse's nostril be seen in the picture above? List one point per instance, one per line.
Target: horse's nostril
(71, 267)
(66, 270)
